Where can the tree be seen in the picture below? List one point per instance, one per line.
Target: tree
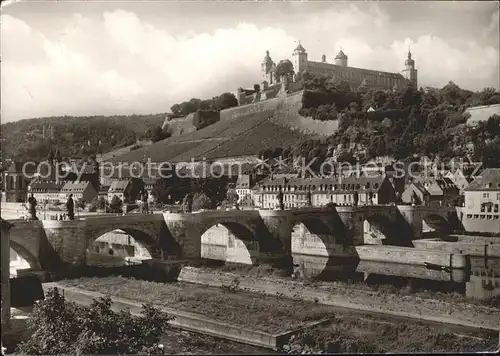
(201, 201)
(283, 69)
(158, 134)
(98, 203)
(116, 204)
(188, 107)
(80, 204)
(204, 118)
(232, 197)
(162, 190)
(58, 326)
(224, 101)
(176, 109)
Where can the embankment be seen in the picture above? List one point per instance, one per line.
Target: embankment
(431, 310)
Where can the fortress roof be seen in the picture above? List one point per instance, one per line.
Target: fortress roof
(355, 69)
(300, 48)
(341, 55)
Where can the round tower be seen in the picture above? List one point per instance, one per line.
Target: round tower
(341, 59)
(299, 59)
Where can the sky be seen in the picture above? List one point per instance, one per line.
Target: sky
(105, 58)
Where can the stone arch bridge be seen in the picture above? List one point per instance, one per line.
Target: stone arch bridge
(50, 244)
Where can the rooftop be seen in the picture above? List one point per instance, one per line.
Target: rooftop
(74, 187)
(118, 186)
(488, 180)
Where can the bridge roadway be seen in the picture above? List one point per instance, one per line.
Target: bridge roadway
(51, 244)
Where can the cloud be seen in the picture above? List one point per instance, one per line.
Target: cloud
(119, 63)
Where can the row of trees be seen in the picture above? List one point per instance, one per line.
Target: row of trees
(211, 191)
(218, 103)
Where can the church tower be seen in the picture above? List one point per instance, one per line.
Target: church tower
(299, 59)
(341, 59)
(410, 73)
(267, 68)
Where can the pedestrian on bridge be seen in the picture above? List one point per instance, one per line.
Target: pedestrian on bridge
(70, 205)
(144, 198)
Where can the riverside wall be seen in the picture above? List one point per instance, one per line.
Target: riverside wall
(411, 256)
(468, 248)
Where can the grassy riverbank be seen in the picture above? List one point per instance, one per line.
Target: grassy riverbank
(254, 311)
(348, 332)
(368, 335)
(382, 289)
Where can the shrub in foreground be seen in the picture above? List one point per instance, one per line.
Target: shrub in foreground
(58, 326)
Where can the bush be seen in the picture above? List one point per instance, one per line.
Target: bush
(204, 118)
(58, 326)
(201, 201)
(93, 205)
(116, 205)
(97, 204)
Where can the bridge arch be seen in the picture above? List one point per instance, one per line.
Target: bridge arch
(230, 241)
(436, 222)
(26, 255)
(147, 240)
(317, 247)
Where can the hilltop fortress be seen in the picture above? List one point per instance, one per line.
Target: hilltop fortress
(268, 115)
(356, 77)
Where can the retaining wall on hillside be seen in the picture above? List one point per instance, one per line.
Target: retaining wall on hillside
(260, 107)
(288, 113)
(180, 126)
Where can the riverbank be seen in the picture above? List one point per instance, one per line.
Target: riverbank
(262, 312)
(265, 313)
(339, 294)
(268, 272)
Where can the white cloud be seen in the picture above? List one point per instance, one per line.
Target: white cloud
(119, 63)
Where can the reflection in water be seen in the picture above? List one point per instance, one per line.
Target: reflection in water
(481, 280)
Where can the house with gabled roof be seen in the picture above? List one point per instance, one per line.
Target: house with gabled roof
(481, 210)
(82, 191)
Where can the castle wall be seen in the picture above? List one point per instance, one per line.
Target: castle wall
(284, 110)
(180, 126)
(260, 107)
(288, 114)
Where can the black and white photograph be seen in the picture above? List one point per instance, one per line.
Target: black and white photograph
(249, 177)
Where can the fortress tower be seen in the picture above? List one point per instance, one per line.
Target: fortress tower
(410, 73)
(341, 59)
(267, 69)
(299, 59)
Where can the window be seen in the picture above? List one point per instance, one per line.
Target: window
(495, 208)
(486, 195)
(483, 209)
